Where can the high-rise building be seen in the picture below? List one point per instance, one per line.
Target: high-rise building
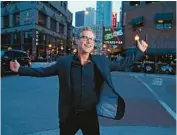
(90, 17)
(104, 13)
(120, 17)
(79, 18)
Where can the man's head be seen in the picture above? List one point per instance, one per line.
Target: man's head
(85, 40)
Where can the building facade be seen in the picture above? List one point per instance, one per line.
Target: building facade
(90, 17)
(104, 13)
(158, 27)
(79, 18)
(35, 25)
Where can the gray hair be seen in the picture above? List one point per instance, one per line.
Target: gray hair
(84, 29)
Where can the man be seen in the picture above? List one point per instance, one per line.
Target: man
(86, 88)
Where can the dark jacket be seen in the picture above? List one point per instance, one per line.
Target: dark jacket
(110, 105)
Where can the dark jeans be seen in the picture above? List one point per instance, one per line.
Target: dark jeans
(86, 120)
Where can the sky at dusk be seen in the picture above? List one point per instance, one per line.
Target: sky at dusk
(75, 6)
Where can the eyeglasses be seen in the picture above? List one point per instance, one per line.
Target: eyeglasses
(87, 38)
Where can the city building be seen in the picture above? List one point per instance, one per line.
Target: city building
(154, 22)
(104, 13)
(90, 17)
(36, 26)
(79, 18)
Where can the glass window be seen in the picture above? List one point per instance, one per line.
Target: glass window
(53, 24)
(28, 37)
(65, 5)
(16, 38)
(6, 21)
(134, 3)
(42, 38)
(6, 38)
(42, 19)
(16, 19)
(164, 24)
(61, 28)
(159, 25)
(6, 3)
(167, 25)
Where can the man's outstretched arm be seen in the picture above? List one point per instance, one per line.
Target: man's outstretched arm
(130, 59)
(35, 72)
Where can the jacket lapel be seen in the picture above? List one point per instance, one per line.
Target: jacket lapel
(101, 67)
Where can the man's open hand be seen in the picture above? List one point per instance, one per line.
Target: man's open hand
(142, 45)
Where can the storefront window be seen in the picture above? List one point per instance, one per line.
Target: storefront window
(16, 38)
(42, 38)
(161, 24)
(28, 37)
(5, 39)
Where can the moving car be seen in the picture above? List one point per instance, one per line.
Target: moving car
(9, 55)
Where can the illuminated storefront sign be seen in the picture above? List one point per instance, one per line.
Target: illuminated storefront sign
(111, 37)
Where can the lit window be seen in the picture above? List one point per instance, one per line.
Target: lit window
(163, 24)
(134, 3)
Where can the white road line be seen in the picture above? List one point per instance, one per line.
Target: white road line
(169, 110)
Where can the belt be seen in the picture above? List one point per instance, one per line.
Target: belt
(85, 109)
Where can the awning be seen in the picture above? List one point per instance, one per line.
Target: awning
(163, 16)
(136, 20)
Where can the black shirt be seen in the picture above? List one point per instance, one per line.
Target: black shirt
(82, 84)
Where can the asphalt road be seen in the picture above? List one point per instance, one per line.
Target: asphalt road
(29, 105)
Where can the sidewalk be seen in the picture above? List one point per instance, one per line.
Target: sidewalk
(121, 130)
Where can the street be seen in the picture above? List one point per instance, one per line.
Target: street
(29, 105)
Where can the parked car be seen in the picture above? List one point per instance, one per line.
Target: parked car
(9, 55)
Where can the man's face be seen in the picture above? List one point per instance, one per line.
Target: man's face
(86, 41)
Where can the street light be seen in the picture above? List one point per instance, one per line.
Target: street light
(61, 48)
(50, 45)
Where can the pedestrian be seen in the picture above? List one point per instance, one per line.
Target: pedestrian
(86, 89)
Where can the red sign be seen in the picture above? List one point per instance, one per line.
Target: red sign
(114, 20)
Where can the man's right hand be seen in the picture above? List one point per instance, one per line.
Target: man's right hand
(14, 66)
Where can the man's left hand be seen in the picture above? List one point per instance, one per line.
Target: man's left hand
(142, 45)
